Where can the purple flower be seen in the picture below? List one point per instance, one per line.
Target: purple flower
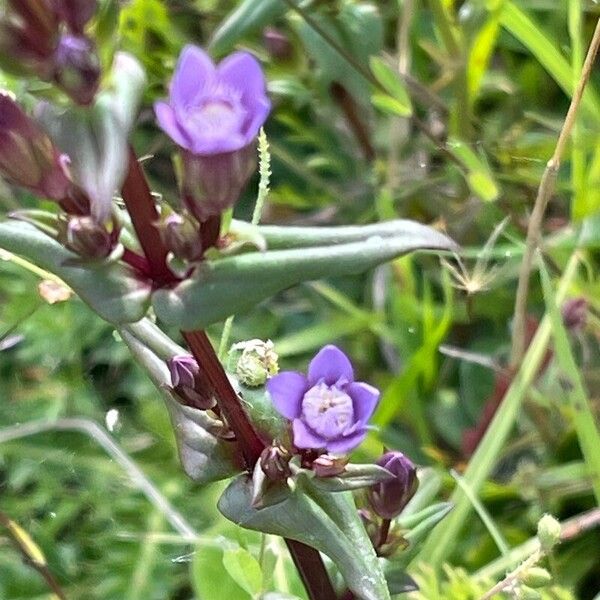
(328, 409)
(389, 498)
(215, 113)
(214, 109)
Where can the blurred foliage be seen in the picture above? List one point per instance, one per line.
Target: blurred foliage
(493, 79)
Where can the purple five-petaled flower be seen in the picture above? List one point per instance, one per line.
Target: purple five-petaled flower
(214, 109)
(328, 409)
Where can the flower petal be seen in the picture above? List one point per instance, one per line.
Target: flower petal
(287, 390)
(364, 398)
(167, 121)
(194, 68)
(205, 146)
(305, 437)
(259, 111)
(345, 444)
(242, 72)
(330, 365)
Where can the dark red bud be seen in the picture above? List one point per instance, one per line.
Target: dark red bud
(574, 313)
(329, 466)
(27, 156)
(76, 13)
(388, 498)
(277, 44)
(188, 382)
(88, 238)
(274, 461)
(77, 68)
(181, 236)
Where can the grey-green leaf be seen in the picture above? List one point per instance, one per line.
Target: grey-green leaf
(111, 290)
(95, 138)
(204, 456)
(235, 284)
(279, 237)
(327, 522)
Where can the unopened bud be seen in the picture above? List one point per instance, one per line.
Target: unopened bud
(274, 461)
(253, 362)
(27, 156)
(188, 382)
(88, 238)
(548, 532)
(28, 33)
(181, 236)
(574, 313)
(277, 43)
(77, 68)
(213, 183)
(326, 465)
(389, 498)
(535, 577)
(76, 13)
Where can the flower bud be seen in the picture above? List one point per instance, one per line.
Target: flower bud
(326, 465)
(574, 313)
(88, 238)
(214, 183)
(277, 43)
(548, 532)
(181, 236)
(27, 156)
(77, 68)
(535, 577)
(28, 33)
(188, 382)
(76, 13)
(274, 461)
(253, 362)
(389, 498)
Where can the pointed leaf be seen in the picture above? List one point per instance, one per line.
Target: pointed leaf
(397, 99)
(244, 569)
(111, 290)
(420, 530)
(234, 284)
(204, 456)
(327, 522)
(280, 237)
(95, 138)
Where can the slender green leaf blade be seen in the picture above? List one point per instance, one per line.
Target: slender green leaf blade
(584, 419)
